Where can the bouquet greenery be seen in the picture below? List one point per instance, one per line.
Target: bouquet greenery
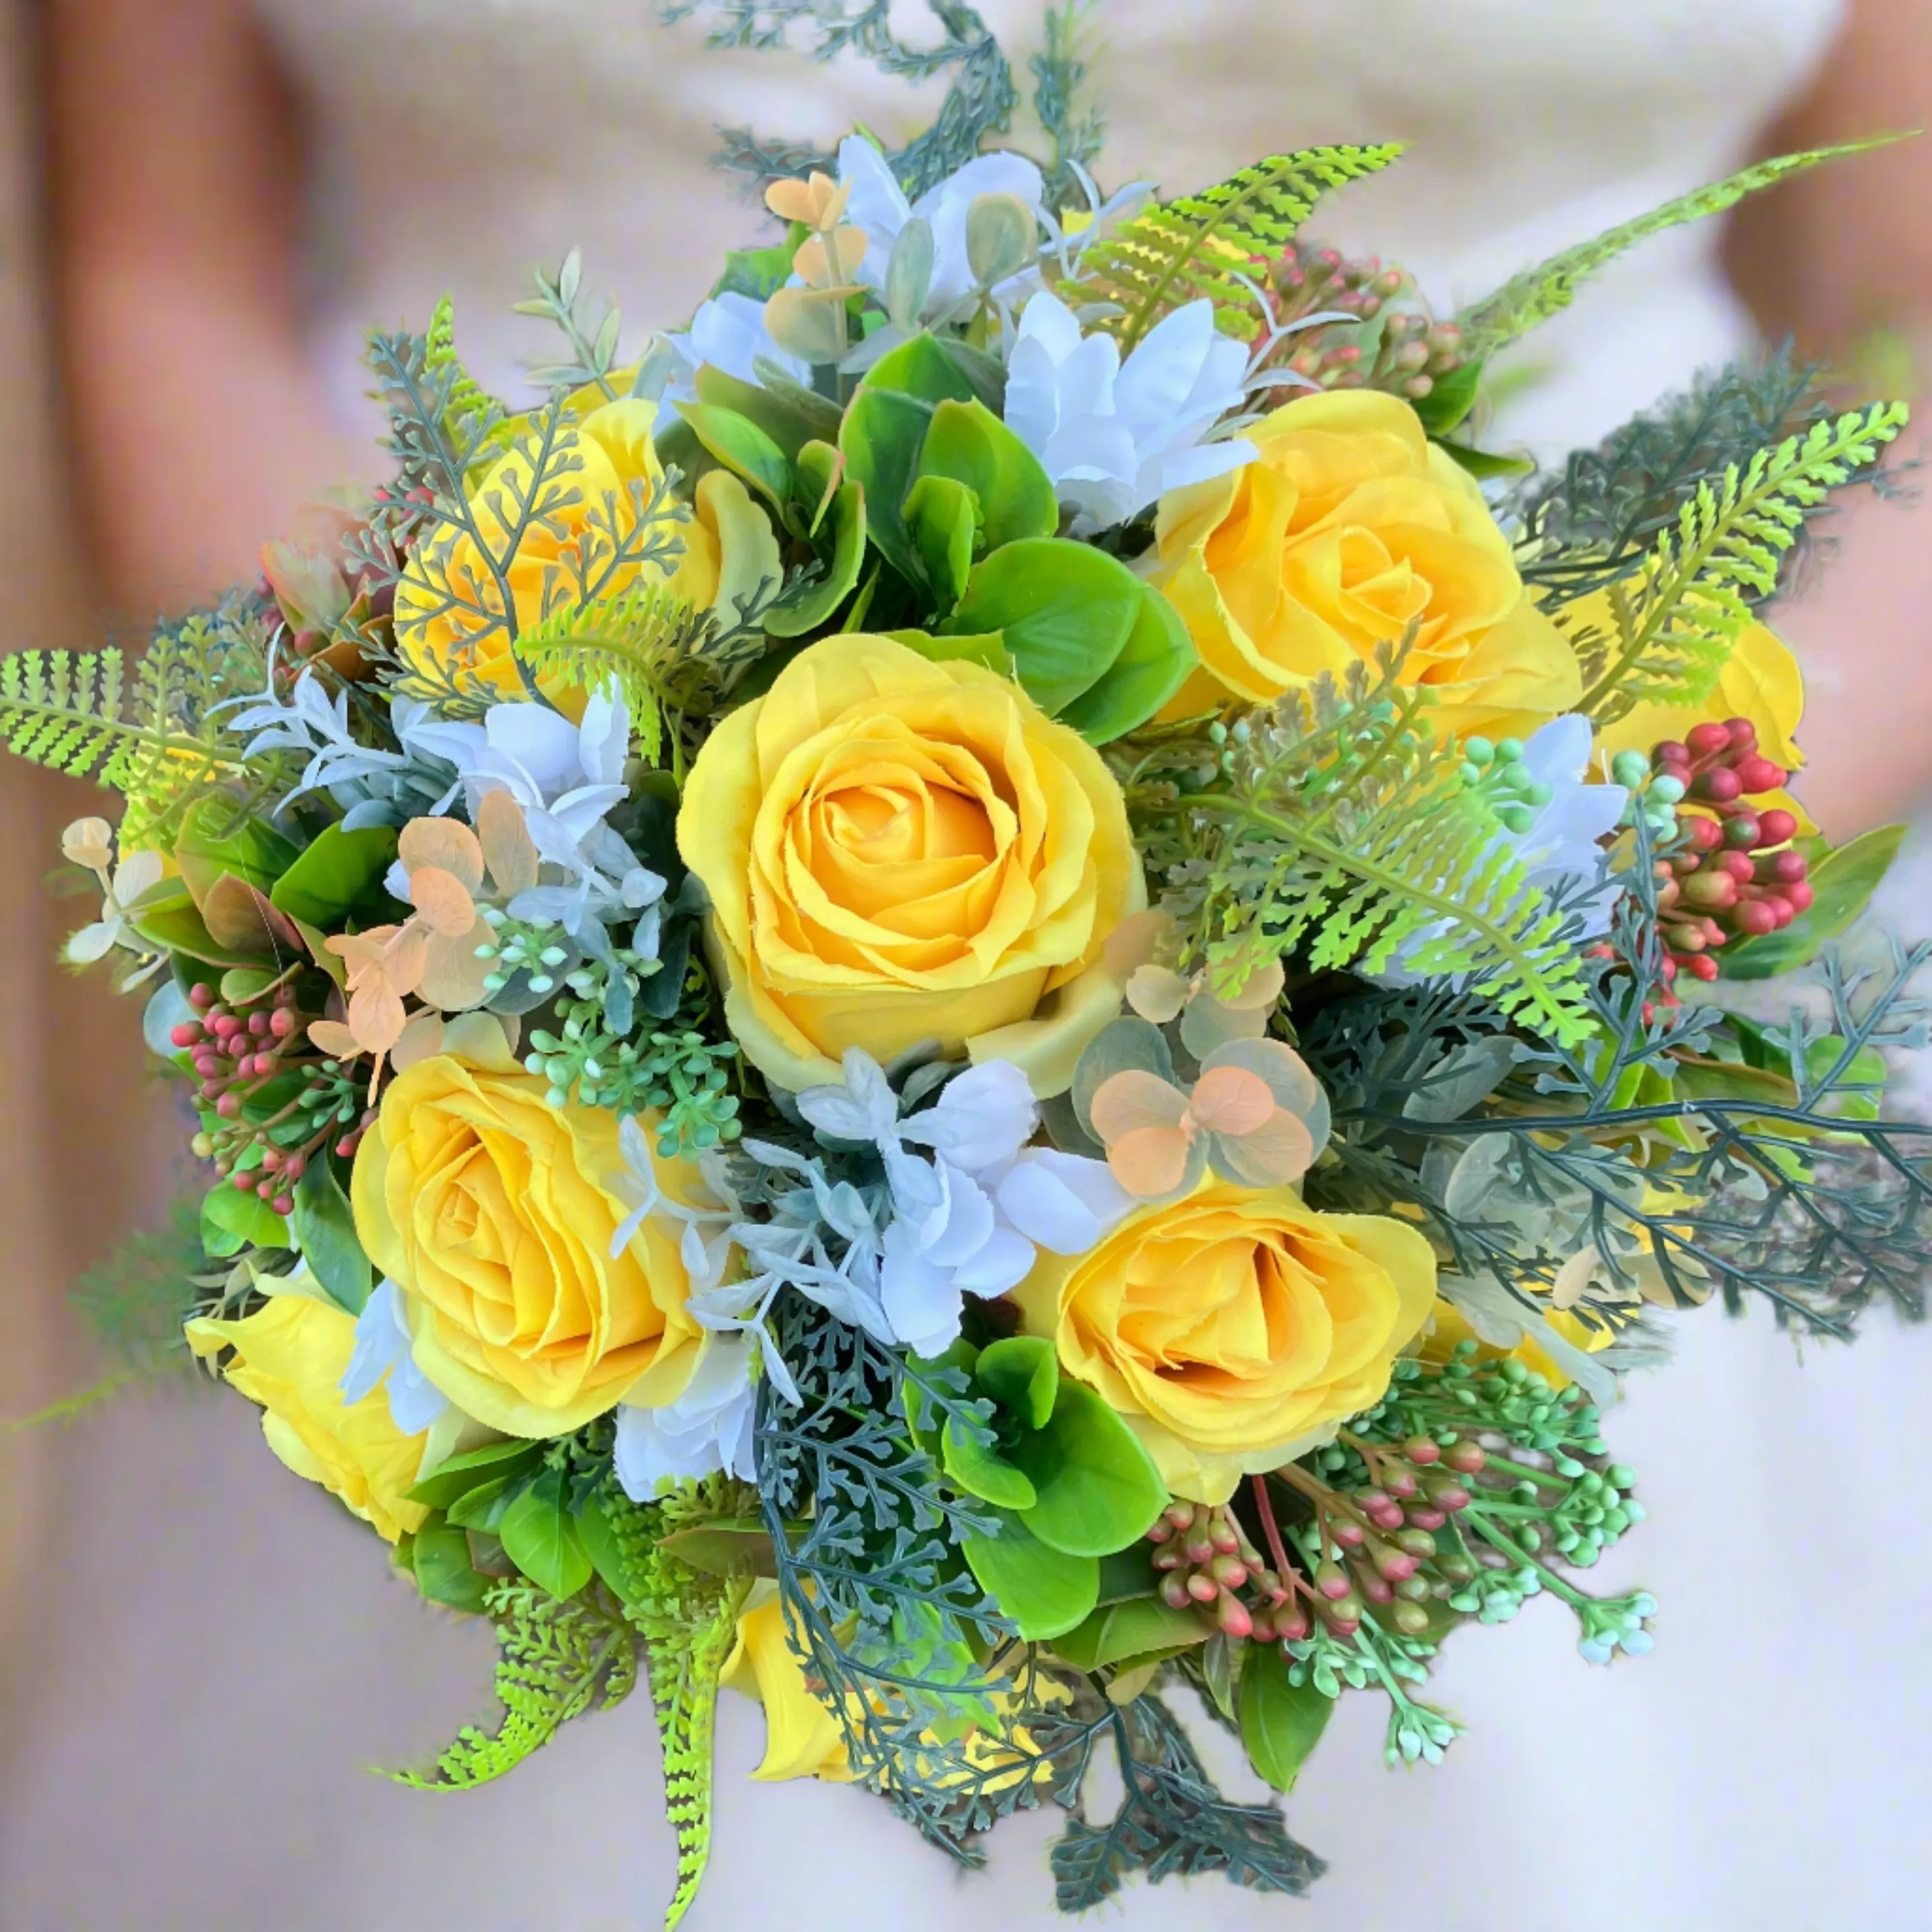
(998, 982)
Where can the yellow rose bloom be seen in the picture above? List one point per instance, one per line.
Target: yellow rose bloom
(897, 850)
(448, 595)
(1235, 1326)
(290, 1356)
(1350, 527)
(494, 1212)
(1760, 681)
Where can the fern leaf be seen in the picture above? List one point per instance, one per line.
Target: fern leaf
(1677, 620)
(558, 1660)
(467, 407)
(1348, 837)
(1192, 249)
(157, 741)
(1533, 297)
(631, 638)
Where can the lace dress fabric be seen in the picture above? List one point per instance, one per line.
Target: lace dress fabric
(1763, 1771)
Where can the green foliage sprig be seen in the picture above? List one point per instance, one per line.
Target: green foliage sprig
(1339, 830)
(1677, 619)
(1194, 248)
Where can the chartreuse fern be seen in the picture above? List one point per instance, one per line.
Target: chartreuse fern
(558, 1659)
(151, 734)
(1348, 836)
(469, 411)
(1675, 622)
(687, 1622)
(1196, 247)
(1533, 297)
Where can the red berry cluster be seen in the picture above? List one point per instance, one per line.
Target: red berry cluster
(1730, 883)
(1413, 353)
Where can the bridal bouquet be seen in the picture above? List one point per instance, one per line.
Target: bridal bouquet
(996, 984)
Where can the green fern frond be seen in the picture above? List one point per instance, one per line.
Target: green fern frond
(152, 736)
(1191, 249)
(1348, 837)
(468, 408)
(557, 1660)
(1533, 297)
(1677, 620)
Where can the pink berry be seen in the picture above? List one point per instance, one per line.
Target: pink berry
(1705, 741)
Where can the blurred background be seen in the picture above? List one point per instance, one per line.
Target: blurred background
(202, 204)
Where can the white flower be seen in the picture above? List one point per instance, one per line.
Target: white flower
(729, 333)
(970, 1220)
(1116, 437)
(382, 1348)
(139, 872)
(710, 1427)
(1561, 847)
(878, 206)
(314, 724)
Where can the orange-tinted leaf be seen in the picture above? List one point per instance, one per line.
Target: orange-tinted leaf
(1210, 1023)
(1278, 1151)
(507, 847)
(421, 1040)
(1231, 1100)
(1150, 1161)
(376, 1016)
(1131, 1101)
(441, 901)
(239, 917)
(1157, 993)
(443, 842)
(1141, 939)
(333, 1038)
(452, 975)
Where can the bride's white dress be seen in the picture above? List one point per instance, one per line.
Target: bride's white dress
(231, 1652)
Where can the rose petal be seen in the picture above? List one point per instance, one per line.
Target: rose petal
(1231, 1100)
(441, 901)
(1150, 1161)
(507, 847)
(1125, 1103)
(444, 843)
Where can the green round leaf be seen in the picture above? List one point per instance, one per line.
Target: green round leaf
(1281, 1722)
(1146, 1627)
(1153, 665)
(920, 368)
(942, 517)
(459, 1474)
(340, 873)
(440, 1557)
(232, 1219)
(542, 1540)
(1067, 610)
(1022, 1374)
(969, 443)
(982, 1471)
(1842, 882)
(1044, 1591)
(1099, 1489)
(816, 603)
(743, 447)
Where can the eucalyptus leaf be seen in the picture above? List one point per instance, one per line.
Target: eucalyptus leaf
(1126, 1045)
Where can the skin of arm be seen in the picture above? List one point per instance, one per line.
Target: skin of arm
(196, 421)
(1828, 258)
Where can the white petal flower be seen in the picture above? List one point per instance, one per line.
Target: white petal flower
(709, 1428)
(382, 1348)
(139, 872)
(729, 333)
(1116, 437)
(878, 205)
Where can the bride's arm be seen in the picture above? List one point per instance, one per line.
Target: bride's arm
(1829, 258)
(197, 425)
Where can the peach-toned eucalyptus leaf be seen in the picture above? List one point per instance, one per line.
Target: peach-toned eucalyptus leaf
(404, 957)
(452, 975)
(1141, 939)
(1208, 1024)
(1287, 1076)
(1119, 1046)
(1133, 1101)
(1231, 1100)
(376, 1016)
(1157, 993)
(1278, 1151)
(1259, 991)
(88, 842)
(359, 951)
(441, 901)
(508, 848)
(333, 1038)
(443, 842)
(1150, 1161)
(422, 1038)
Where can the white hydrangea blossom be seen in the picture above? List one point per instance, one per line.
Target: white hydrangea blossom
(1117, 437)
(728, 332)
(710, 1427)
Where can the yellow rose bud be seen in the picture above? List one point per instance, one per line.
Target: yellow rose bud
(494, 1212)
(1350, 527)
(449, 605)
(1235, 1328)
(897, 850)
(289, 1356)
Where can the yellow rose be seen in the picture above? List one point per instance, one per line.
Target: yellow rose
(494, 1212)
(804, 1739)
(448, 595)
(1350, 527)
(1234, 1327)
(290, 1356)
(897, 850)
(1760, 681)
